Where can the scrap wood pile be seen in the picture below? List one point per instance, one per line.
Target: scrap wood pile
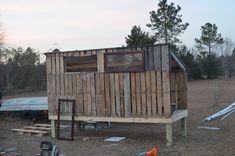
(226, 112)
(36, 130)
(9, 152)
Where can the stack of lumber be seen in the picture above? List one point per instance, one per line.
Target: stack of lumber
(35, 130)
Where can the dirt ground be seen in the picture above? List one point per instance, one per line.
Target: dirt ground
(205, 97)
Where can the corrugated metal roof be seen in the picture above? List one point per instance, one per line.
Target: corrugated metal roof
(25, 104)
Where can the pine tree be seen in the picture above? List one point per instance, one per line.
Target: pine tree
(139, 38)
(167, 23)
(209, 37)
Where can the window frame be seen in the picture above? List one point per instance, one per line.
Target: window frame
(124, 70)
(80, 57)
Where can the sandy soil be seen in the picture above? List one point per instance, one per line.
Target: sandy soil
(205, 98)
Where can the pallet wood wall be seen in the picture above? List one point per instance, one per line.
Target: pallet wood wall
(133, 94)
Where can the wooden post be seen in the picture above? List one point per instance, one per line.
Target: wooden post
(183, 127)
(53, 128)
(168, 134)
(78, 127)
(100, 60)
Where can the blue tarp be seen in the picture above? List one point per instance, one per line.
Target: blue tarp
(25, 104)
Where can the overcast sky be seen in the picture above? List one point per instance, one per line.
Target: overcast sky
(86, 24)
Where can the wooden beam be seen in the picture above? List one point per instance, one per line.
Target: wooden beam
(169, 134)
(180, 63)
(183, 127)
(53, 130)
(177, 115)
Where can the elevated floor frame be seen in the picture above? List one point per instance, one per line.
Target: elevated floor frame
(177, 115)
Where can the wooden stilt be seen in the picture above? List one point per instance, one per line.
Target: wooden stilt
(53, 128)
(169, 134)
(78, 126)
(183, 127)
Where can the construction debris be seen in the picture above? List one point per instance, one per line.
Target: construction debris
(115, 139)
(36, 130)
(226, 111)
(110, 145)
(152, 152)
(209, 128)
(228, 114)
(9, 152)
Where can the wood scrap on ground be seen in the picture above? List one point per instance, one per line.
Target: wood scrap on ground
(36, 130)
(209, 128)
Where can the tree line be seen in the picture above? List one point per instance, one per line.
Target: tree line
(20, 69)
(211, 57)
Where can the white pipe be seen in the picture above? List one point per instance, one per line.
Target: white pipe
(222, 112)
(228, 114)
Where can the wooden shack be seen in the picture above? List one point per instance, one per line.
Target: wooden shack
(145, 84)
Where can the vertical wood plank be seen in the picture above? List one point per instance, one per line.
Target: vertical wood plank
(48, 63)
(185, 81)
(148, 93)
(76, 53)
(159, 93)
(102, 94)
(117, 95)
(133, 94)
(121, 87)
(61, 63)
(85, 95)
(94, 52)
(74, 76)
(54, 97)
(88, 81)
(53, 91)
(145, 49)
(57, 58)
(70, 82)
(79, 108)
(173, 87)
(150, 57)
(93, 102)
(71, 53)
(107, 96)
(143, 94)
(62, 85)
(157, 58)
(165, 58)
(82, 53)
(97, 94)
(179, 89)
(138, 95)
(63, 55)
(49, 89)
(127, 104)
(153, 93)
(53, 63)
(100, 60)
(112, 95)
(66, 84)
(166, 93)
(87, 53)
